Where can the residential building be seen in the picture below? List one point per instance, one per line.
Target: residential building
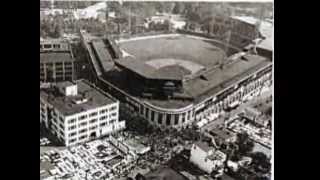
(207, 158)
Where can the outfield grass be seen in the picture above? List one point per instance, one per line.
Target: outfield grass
(199, 51)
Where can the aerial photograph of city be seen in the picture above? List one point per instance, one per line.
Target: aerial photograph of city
(156, 90)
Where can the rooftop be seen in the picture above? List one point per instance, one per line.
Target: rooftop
(164, 173)
(217, 155)
(56, 57)
(66, 104)
(266, 29)
(203, 145)
(173, 72)
(180, 56)
(215, 81)
(222, 133)
(219, 79)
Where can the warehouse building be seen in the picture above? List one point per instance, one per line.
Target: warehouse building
(78, 112)
(57, 62)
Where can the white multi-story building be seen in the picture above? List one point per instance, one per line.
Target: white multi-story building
(78, 112)
(207, 158)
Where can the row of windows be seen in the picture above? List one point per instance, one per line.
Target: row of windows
(86, 130)
(71, 121)
(48, 46)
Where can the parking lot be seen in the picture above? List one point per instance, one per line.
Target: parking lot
(93, 160)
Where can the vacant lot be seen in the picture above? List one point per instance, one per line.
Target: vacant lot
(203, 52)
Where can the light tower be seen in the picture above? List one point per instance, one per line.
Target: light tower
(52, 4)
(257, 28)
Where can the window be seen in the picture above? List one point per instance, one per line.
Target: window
(72, 121)
(47, 46)
(61, 126)
(103, 124)
(152, 116)
(93, 121)
(83, 131)
(176, 119)
(183, 117)
(56, 46)
(72, 127)
(141, 109)
(168, 118)
(72, 134)
(147, 113)
(160, 118)
(103, 118)
(83, 117)
(113, 108)
(93, 128)
(82, 137)
(114, 114)
(93, 114)
(61, 119)
(72, 140)
(189, 115)
(112, 121)
(83, 124)
(103, 111)
(61, 132)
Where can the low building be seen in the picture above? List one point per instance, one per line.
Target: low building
(207, 158)
(57, 62)
(78, 112)
(251, 113)
(223, 135)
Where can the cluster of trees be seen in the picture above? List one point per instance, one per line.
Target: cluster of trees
(242, 147)
(260, 164)
(67, 4)
(55, 25)
(50, 28)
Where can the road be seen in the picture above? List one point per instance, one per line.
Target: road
(239, 109)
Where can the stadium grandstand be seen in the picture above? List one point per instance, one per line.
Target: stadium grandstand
(177, 79)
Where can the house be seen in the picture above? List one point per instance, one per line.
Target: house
(207, 158)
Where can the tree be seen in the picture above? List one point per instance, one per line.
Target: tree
(244, 143)
(178, 8)
(260, 162)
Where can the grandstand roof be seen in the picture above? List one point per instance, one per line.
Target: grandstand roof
(219, 79)
(147, 71)
(104, 56)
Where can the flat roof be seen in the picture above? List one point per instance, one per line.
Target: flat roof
(203, 145)
(219, 79)
(56, 57)
(166, 73)
(66, 105)
(164, 173)
(222, 133)
(215, 81)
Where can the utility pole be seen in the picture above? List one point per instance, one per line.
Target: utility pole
(257, 28)
(227, 36)
(129, 20)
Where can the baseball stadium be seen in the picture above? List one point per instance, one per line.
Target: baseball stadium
(173, 80)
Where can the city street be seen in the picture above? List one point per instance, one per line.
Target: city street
(240, 108)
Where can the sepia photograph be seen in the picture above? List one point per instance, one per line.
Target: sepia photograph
(156, 90)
